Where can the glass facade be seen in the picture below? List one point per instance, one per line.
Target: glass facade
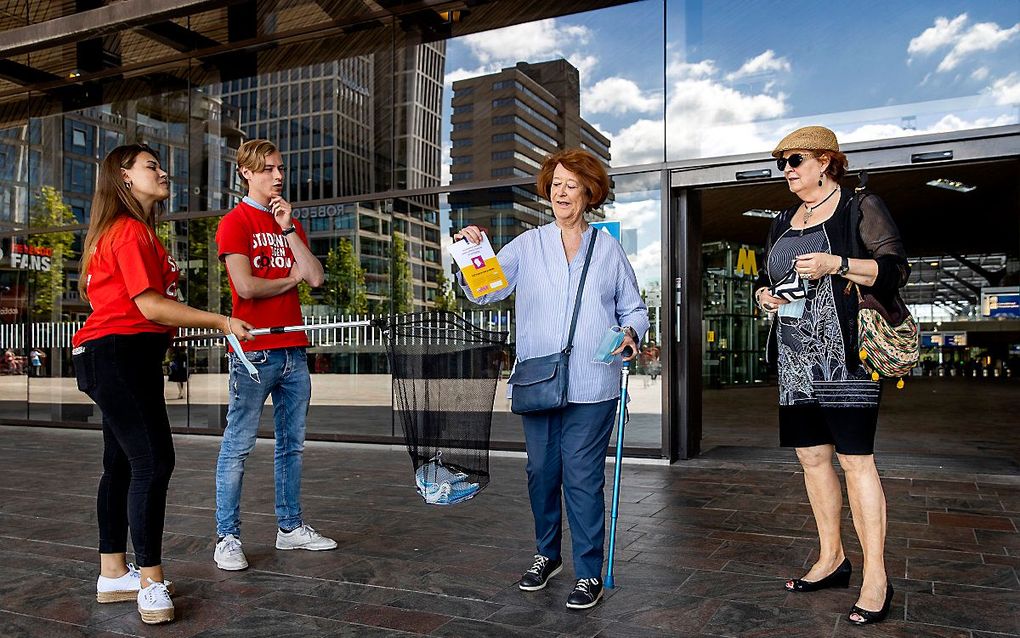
(396, 133)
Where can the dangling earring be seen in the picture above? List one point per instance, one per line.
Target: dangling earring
(128, 185)
(820, 179)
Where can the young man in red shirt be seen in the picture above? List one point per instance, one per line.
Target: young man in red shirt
(267, 256)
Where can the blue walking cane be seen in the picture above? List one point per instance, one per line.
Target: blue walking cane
(625, 374)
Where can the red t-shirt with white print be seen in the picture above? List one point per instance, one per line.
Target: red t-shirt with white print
(128, 260)
(255, 234)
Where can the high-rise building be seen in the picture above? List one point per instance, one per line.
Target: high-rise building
(504, 125)
(65, 151)
(363, 124)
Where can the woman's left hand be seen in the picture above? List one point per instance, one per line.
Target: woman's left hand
(628, 342)
(817, 265)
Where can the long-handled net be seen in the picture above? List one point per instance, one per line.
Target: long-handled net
(445, 371)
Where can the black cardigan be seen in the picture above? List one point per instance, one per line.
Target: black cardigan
(876, 238)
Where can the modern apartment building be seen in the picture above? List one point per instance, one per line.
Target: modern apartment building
(504, 125)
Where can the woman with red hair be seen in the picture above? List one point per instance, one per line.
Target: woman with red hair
(567, 446)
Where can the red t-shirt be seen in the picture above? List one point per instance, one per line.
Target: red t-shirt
(255, 234)
(129, 259)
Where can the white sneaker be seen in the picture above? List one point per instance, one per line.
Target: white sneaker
(229, 555)
(154, 604)
(303, 537)
(123, 589)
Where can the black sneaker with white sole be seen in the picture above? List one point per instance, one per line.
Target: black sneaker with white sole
(586, 594)
(538, 575)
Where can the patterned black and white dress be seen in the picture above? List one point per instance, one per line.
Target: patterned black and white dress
(814, 382)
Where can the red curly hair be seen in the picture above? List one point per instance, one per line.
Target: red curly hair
(589, 170)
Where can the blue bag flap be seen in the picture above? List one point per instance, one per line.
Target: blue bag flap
(537, 370)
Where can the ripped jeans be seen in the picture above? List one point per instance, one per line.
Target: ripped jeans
(284, 375)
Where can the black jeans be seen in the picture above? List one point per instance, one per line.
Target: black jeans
(123, 374)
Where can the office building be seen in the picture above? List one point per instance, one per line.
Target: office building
(504, 126)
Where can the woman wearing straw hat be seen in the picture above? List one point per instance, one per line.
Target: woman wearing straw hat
(827, 401)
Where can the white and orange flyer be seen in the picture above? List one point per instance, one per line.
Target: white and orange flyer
(479, 265)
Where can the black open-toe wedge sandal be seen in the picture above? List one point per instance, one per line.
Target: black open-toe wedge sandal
(838, 578)
(869, 617)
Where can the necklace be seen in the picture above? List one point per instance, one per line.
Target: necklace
(811, 209)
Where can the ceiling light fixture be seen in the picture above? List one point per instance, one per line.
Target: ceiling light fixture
(952, 185)
(761, 212)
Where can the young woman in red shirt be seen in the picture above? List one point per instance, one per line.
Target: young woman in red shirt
(131, 283)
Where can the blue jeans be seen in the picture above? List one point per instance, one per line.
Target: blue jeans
(567, 452)
(284, 374)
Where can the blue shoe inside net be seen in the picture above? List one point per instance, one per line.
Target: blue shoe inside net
(439, 485)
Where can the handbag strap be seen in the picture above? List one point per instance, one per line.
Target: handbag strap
(580, 290)
(855, 216)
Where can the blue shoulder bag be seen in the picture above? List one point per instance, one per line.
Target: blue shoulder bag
(540, 384)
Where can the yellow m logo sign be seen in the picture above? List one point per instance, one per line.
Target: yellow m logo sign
(747, 263)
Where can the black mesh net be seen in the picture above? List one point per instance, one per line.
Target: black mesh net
(445, 372)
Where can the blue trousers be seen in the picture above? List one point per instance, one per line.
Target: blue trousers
(567, 451)
(284, 374)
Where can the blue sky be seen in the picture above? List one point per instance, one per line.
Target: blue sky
(768, 61)
(740, 74)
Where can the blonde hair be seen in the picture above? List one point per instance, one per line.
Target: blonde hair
(252, 155)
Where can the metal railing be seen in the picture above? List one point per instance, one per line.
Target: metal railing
(59, 334)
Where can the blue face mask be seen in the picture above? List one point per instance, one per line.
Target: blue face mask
(610, 341)
(793, 309)
(252, 370)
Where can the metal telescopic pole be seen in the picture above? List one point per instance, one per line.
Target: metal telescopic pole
(621, 423)
(282, 329)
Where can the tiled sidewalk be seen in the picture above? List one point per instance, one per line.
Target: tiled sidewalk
(705, 548)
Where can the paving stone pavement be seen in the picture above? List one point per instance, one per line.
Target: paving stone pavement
(704, 548)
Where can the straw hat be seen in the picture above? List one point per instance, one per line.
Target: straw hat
(809, 138)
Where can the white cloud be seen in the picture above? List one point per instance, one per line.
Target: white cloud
(679, 70)
(767, 62)
(634, 214)
(962, 41)
(639, 143)
(935, 37)
(585, 64)
(647, 263)
(445, 176)
(703, 117)
(979, 74)
(947, 123)
(463, 74)
(527, 41)
(1006, 90)
(532, 42)
(984, 36)
(618, 95)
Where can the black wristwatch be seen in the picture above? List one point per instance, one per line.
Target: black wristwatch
(287, 231)
(844, 266)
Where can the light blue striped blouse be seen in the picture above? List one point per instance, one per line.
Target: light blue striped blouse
(536, 266)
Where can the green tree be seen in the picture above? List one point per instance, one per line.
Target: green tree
(50, 211)
(446, 297)
(206, 277)
(304, 294)
(381, 307)
(345, 288)
(401, 285)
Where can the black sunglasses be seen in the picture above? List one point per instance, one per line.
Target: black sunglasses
(794, 161)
